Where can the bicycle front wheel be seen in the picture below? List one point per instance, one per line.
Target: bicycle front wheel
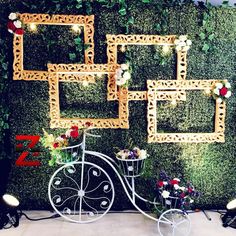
(81, 192)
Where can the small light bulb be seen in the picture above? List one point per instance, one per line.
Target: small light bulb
(33, 27)
(173, 102)
(76, 28)
(207, 91)
(122, 48)
(85, 83)
(165, 49)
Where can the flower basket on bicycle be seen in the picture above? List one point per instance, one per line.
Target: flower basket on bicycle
(64, 148)
(131, 162)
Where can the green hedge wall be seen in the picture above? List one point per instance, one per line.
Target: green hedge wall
(211, 167)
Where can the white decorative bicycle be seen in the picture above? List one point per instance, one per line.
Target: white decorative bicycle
(81, 191)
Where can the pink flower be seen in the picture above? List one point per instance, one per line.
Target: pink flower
(74, 133)
(223, 91)
(56, 145)
(11, 26)
(19, 31)
(160, 184)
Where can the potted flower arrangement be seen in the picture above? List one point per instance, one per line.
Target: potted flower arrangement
(123, 75)
(65, 147)
(131, 161)
(221, 91)
(14, 25)
(172, 194)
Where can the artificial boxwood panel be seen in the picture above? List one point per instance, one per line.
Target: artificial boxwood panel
(211, 167)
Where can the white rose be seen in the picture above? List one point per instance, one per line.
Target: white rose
(176, 41)
(68, 133)
(17, 24)
(216, 91)
(189, 42)
(59, 139)
(124, 66)
(228, 94)
(119, 72)
(219, 100)
(176, 186)
(9, 30)
(165, 182)
(178, 48)
(12, 16)
(219, 85)
(182, 188)
(126, 75)
(120, 81)
(177, 179)
(227, 85)
(182, 44)
(143, 154)
(191, 201)
(186, 48)
(183, 37)
(165, 194)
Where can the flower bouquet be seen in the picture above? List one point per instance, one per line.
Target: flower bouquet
(172, 194)
(14, 25)
(221, 91)
(65, 147)
(131, 161)
(123, 75)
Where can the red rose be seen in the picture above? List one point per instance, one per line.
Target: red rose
(63, 136)
(173, 182)
(223, 91)
(11, 26)
(160, 184)
(19, 31)
(182, 195)
(55, 145)
(88, 124)
(190, 190)
(74, 134)
(75, 128)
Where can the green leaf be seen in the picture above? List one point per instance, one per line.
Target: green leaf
(78, 6)
(72, 56)
(146, 1)
(202, 36)
(211, 37)
(4, 66)
(205, 47)
(225, 3)
(204, 22)
(122, 11)
(157, 27)
(78, 40)
(131, 20)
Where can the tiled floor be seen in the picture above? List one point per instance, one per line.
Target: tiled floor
(115, 224)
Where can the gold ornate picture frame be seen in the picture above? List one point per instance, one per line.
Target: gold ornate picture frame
(113, 41)
(60, 72)
(155, 86)
(87, 22)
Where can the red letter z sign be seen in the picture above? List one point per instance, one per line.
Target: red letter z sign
(33, 140)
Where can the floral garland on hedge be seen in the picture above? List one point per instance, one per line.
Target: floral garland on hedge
(123, 75)
(14, 25)
(221, 91)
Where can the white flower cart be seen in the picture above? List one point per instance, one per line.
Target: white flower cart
(81, 191)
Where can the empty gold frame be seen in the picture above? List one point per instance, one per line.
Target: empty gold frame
(58, 72)
(113, 41)
(87, 22)
(220, 111)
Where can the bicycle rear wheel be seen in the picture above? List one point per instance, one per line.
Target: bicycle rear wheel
(174, 222)
(81, 192)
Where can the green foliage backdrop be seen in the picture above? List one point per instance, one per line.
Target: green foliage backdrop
(211, 167)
